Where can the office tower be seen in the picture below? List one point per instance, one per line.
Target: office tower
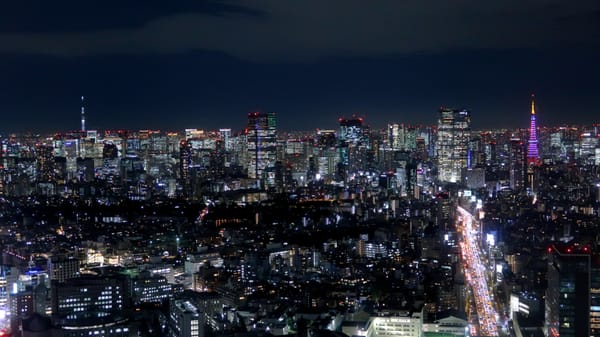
(454, 130)
(91, 305)
(5, 288)
(226, 137)
(532, 147)
(587, 148)
(410, 138)
(396, 138)
(326, 138)
(568, 292)
(185, 320)
(21, 306)
(354, 144)
(150, 288)
(323, 161)
(110, 162)
(185, 162)
(85, 169)
(421, 148)
(45, 162)
(210, 306)
(352, 131)
(132, 175)
(261, 143)
(61, 268)
(517, 164)
(110, 151)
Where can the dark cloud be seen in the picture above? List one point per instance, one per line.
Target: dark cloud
(35, 16)
(176, 64)
(309, 30)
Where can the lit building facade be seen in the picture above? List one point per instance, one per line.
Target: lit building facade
(351, 130)
(185, 320)
(151, 288)
(396, 325)
(568, 292)
(395, 135)
(185, 163)
(517, 164)
(261, 144)
(354, 144)
(454, 130)
(62, 268)
(90, 306)
(45, 163)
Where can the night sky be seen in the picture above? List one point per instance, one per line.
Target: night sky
(205, 64)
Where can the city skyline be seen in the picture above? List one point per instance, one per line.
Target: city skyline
(237, 126)
(155, 66)
(268, 168)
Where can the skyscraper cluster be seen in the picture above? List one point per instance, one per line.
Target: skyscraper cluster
(350, 228)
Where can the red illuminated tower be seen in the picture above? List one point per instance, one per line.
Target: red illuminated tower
(533, 156)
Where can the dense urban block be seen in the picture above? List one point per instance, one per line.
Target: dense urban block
(348, 230)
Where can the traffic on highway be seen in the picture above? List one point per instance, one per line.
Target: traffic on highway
(475, 273)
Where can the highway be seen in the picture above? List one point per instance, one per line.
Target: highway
(475, 272)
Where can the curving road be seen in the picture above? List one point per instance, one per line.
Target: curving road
(475, 273)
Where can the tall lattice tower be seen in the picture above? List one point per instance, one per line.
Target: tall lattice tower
(82, 113)
(533, 155)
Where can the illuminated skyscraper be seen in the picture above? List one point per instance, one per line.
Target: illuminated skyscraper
(45, 162)
(261, 143)
(454, 131)
(532, 148)
(517, 164)
(185, 162)
(568, 293)
(226, 137)
(354, 144)
(351, 130)
(396, 134)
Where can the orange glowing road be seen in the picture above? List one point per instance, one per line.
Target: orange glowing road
(476, 275)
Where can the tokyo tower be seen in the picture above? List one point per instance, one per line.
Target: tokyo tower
(532, 148)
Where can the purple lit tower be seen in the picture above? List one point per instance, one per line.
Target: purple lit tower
(532, 149)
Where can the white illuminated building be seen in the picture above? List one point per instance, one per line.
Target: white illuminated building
(3, 298)
(396, 324)
(449, 325)
(185, 320)
(8, 287)
(454, 131)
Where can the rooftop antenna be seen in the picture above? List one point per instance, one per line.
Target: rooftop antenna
(82, 114)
